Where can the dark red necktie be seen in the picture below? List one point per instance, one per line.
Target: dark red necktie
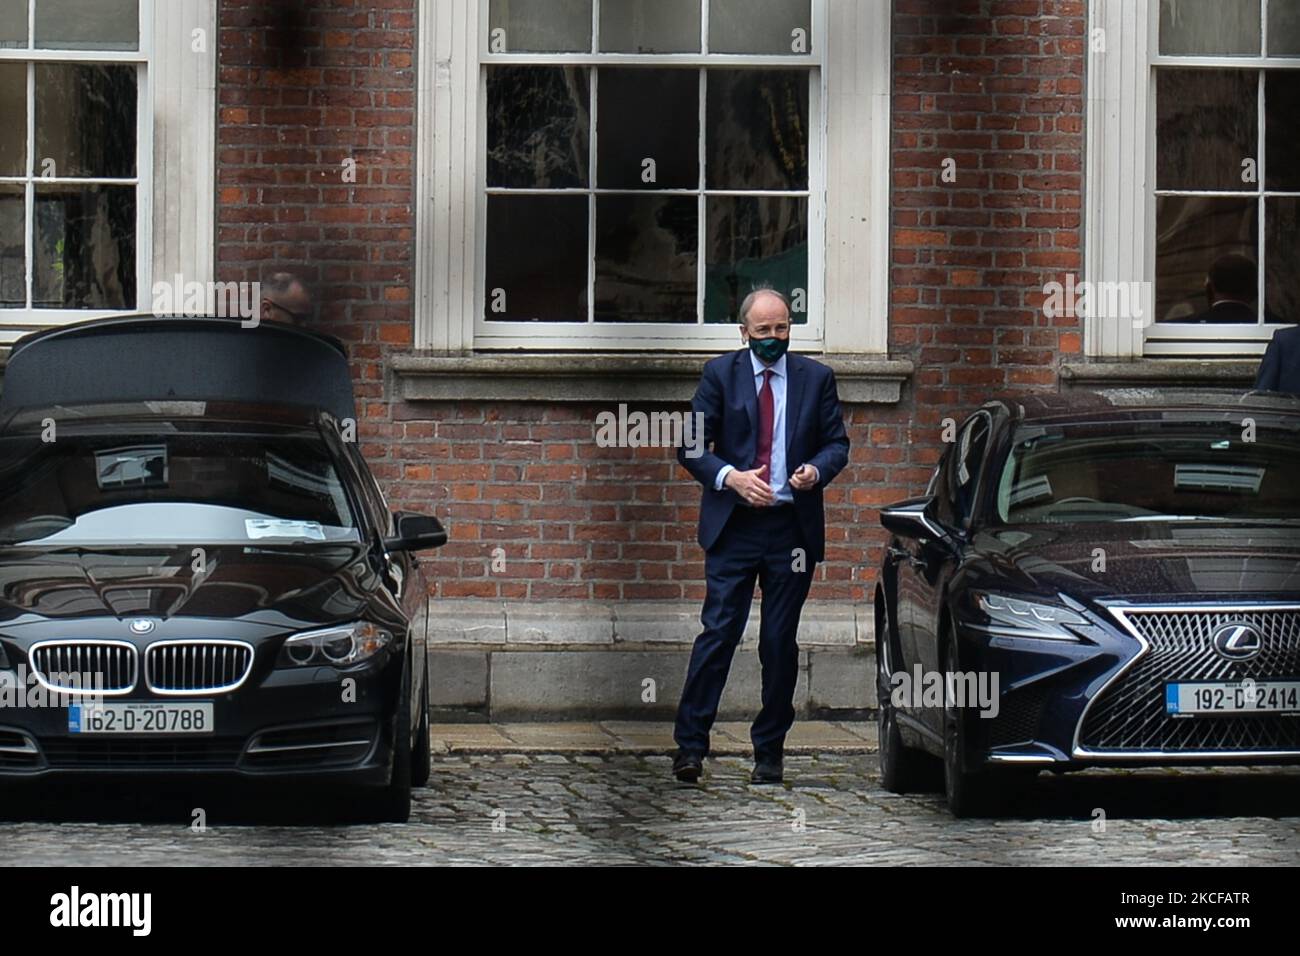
(766, 421)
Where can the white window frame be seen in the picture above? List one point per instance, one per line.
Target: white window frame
(1120, 224)
(176, 161)
(848, 191)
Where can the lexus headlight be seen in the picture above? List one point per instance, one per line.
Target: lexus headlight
(1013, 617)
(334, 646)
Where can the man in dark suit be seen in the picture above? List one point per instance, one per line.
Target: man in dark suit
(1280, 370)
(1231, 291)
(774, 439)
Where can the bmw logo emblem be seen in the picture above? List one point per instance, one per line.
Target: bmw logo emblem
(1237, 641)
(141, 626)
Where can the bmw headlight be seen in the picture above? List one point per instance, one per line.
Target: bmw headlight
(1006, 616)
(338, 646)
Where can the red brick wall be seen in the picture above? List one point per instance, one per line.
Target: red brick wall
(997, 85)
(305, 85)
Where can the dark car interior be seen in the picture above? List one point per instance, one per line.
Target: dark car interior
(1205, 473)
(46, 486)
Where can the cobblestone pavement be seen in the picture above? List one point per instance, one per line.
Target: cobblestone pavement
(621, 807)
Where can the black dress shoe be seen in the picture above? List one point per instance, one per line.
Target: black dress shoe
(768, 771)
(687, 767)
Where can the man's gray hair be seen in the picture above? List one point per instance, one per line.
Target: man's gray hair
(281, 283)
(759, 289)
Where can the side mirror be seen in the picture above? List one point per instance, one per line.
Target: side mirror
(913, 519)
(416, 533)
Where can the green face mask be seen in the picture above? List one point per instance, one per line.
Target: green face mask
(768, 350)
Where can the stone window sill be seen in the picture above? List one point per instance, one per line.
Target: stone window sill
(608, 377)
(1168, 373)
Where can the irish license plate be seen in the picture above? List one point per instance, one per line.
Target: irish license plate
(1232, 697)
(123, 718)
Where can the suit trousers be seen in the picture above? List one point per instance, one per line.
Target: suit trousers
(763, 544)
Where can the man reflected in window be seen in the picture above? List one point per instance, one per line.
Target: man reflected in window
(1231, 290)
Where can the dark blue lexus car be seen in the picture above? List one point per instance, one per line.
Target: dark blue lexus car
(1092, 581)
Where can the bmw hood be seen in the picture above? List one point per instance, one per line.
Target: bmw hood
(277, 587)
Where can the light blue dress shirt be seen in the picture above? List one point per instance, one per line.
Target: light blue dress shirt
(777, 476)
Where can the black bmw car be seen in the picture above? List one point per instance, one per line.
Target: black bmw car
(1094, 582)
(198, 571)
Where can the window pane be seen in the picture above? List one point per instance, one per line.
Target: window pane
(13, 119)
(760, 26)
(1282, 134)
(85, 247)
(1193, 233)
(537, 259)
(13, 23)
(88, 24)
(647, 250)
(752, 240)
(539, 122)
(86, 120)
(1284, 28)
(13, 252)
(648, 127)
(1206, 27)
(757, 129)
(1206, 127)
(1282, 242)
(540, 26)
(650, 26)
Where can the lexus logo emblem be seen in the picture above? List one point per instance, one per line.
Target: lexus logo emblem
(141, 626)
(1237, 642)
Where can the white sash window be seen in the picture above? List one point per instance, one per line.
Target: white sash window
(618, 174)
(1192, 146)
(91, 206)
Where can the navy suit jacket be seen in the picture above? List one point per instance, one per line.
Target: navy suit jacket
(814, 435)
(1280, 370)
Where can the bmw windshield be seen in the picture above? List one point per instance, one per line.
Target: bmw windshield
(179, 482)
(1169, 470)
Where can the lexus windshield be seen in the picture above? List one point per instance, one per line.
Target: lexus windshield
(1150, 471)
